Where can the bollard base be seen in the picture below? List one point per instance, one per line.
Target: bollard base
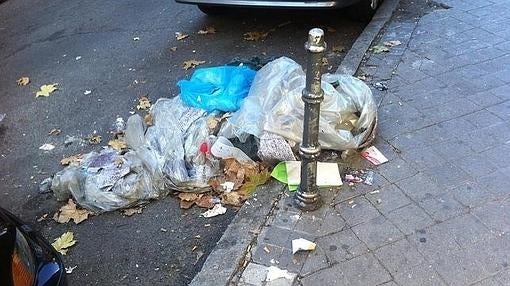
(305, 201)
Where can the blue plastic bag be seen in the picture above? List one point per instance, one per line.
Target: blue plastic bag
(217, 88)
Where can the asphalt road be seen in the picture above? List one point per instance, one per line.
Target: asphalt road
(89, 45)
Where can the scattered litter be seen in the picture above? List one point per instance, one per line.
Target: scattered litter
(266, 249)
(45, 186)
(94, 139)
(163, 229)
(353, 206)
(46, 90)
(70, 269)
(373, 155)
(136, 38)
(289, 172)
(302, 244)
(227, 186)
(2, 116)
(274, 148)
(379, 49)
(62, 243)
(22, 81)
(73, 139)
(132, 211)
(392, 43)
(118, 143)
(381, 86)
(351, 202)
(87, 92)
(191, 64)
(217, 88)
(207, 30)
(180, 36)
(173, 49)
(47, 147)
(274, 273)
(338, 49)
(43, 217)
(218, 209)
(379, 201)
(78, 58)
(69, 212)
(120, 125)
(143, 103)
(224, 149)
(274, 105)
(375, 192)
(359, 176)
(256, 35)
(55, 131)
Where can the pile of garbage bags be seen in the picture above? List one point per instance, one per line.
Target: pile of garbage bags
(183, 146)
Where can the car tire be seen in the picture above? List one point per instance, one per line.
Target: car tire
(211, 10)
(363, 10)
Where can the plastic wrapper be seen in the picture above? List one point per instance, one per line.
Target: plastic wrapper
(161, 157)
(348, 115)
(217, 88)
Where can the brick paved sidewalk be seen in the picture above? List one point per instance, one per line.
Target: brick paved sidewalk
(442, 213)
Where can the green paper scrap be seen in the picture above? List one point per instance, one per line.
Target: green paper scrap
(280, 173)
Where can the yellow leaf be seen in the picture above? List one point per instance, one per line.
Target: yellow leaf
(192, 64)
(70, 212)
(55, 131)
(24, 80)
(73, 160)
(255, 36)
(118, 144)
(46, 90)
(65, 241)
(180, 36)
(143, 103)
(253, 180)
(207, 30)
(132, 211)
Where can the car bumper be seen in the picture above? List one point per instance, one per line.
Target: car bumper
(273, 4)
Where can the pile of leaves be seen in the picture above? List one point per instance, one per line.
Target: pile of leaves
(233, 187)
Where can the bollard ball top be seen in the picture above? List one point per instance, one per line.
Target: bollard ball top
(315, 42)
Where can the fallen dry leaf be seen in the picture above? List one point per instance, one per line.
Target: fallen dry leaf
(255, 36)
(118, 143)
(132, 211)
(189, 197)
(205, 201)
(148, 119)
(186, 205)
(207, 30)
(69, 212)
(24, 80)
(55, 131)
(233, 198)
(73, 160)
(95, 139)
(62, 243)
(143, 103)
(191, 64)
(379, 49)
(393, 43)
(180, 36)
(253, 180)
(46, 90)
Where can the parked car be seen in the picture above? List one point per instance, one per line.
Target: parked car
(26, 258)
(213, 7)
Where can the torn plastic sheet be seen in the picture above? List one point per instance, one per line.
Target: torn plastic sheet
(161, 157)
(328, 174)
(348, 115)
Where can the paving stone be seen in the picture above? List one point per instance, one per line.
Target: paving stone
(495, 215)
(276, 236)
(377, 232)
(471, 195)
(331, 222)
(460, 268)
(422, 158)
(316, 260)
(358, 211)
(434, 243)
(498, 156)
(484, 99)
(491, 281)
(292, 262)
(399, 255)
(482, 118)
(388, 198)
(447, 176)
(442, 207)
(254, 274)
(420, 187)
(363, 270)
(410, 218)
(341, 246)
(497, 183)
(466, 230)
(504, 277)
(286, 219)
(419, 275)
(264, 253)
(396, 170)
(346, 193)
(502, 110)
(476, 165)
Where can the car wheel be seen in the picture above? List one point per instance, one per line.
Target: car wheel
(364, 9)
(211, 10)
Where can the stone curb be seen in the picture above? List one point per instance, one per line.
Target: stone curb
(352, 60)
(230, 251)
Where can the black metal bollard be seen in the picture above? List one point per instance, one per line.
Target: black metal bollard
(307, 196)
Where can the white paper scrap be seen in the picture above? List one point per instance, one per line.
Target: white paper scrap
(274, 273)
(302, 244)
(218, 209)
(328, 174)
